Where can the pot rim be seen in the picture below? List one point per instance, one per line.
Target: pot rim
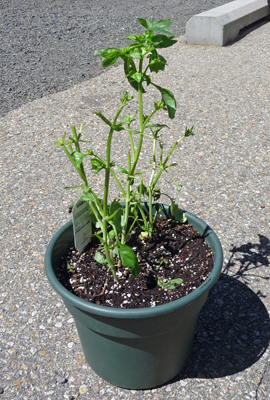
(146, 312)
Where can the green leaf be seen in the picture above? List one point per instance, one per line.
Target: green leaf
(73, 187)
(171, 165)
(69, 268)
(105, 52)
(163, 38)
(126, 98)
(134, 46)
(130, 70)
(97, 164)
(136, 54)
(165, 43)
(189, 132)
(147, 79)
(156, 194)
(143, 22)
(129, 118)
(109, 56)
(100, 258)
(135, 270)
(111, 234)
(144, 234)
(78, 157)
(131, 37)
(129, 259)
(137, 76)
(93, 219)
(118, 127)
(116, 211)
(161, 26)
(159, 38)
(163, 23)
(169, 284)
(139, 173)
(151, 22)
(104, 119)
(122, 170)
(115, 205)
(168, 99)
(115, 252)
(177, 214)
(157, 62)
(142, 189)
(162, 30)
(178, 185)
(87, 197)
(127, 255)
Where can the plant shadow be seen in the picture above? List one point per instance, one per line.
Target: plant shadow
(233, 329)
(249, 257)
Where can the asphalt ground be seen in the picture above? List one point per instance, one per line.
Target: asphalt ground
(47, 46)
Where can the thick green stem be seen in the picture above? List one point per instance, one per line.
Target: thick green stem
(141, 121)
(151, 187)
(135, 159)
(111, 264)
(132, 145)
(126, 215)
(106, 247)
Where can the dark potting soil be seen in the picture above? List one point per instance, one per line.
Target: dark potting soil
(175, 251)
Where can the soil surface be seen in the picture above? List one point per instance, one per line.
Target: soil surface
(173, 264)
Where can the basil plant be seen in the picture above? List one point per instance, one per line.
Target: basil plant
(114, 222)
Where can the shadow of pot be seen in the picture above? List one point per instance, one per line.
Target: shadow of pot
(233, 332)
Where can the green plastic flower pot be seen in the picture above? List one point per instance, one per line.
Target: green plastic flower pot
(136, 348)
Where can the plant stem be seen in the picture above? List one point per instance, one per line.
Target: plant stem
(136, 158)
(151, 187)
(141, 121)
(80, 172)
(111, 265)
(163, 165)
(118, 183)
(77, 146)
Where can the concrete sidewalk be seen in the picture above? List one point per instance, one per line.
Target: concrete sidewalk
(225, 172)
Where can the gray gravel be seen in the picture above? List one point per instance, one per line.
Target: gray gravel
(225, 174)
(47, 46)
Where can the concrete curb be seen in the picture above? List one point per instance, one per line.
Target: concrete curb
(221, 25)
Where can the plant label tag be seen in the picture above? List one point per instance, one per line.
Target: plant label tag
(82, 225)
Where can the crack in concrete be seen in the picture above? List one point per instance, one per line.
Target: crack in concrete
(265, 378)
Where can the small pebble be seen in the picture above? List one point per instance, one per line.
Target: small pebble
(95, 388)
(62, 381)
(83, 389)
